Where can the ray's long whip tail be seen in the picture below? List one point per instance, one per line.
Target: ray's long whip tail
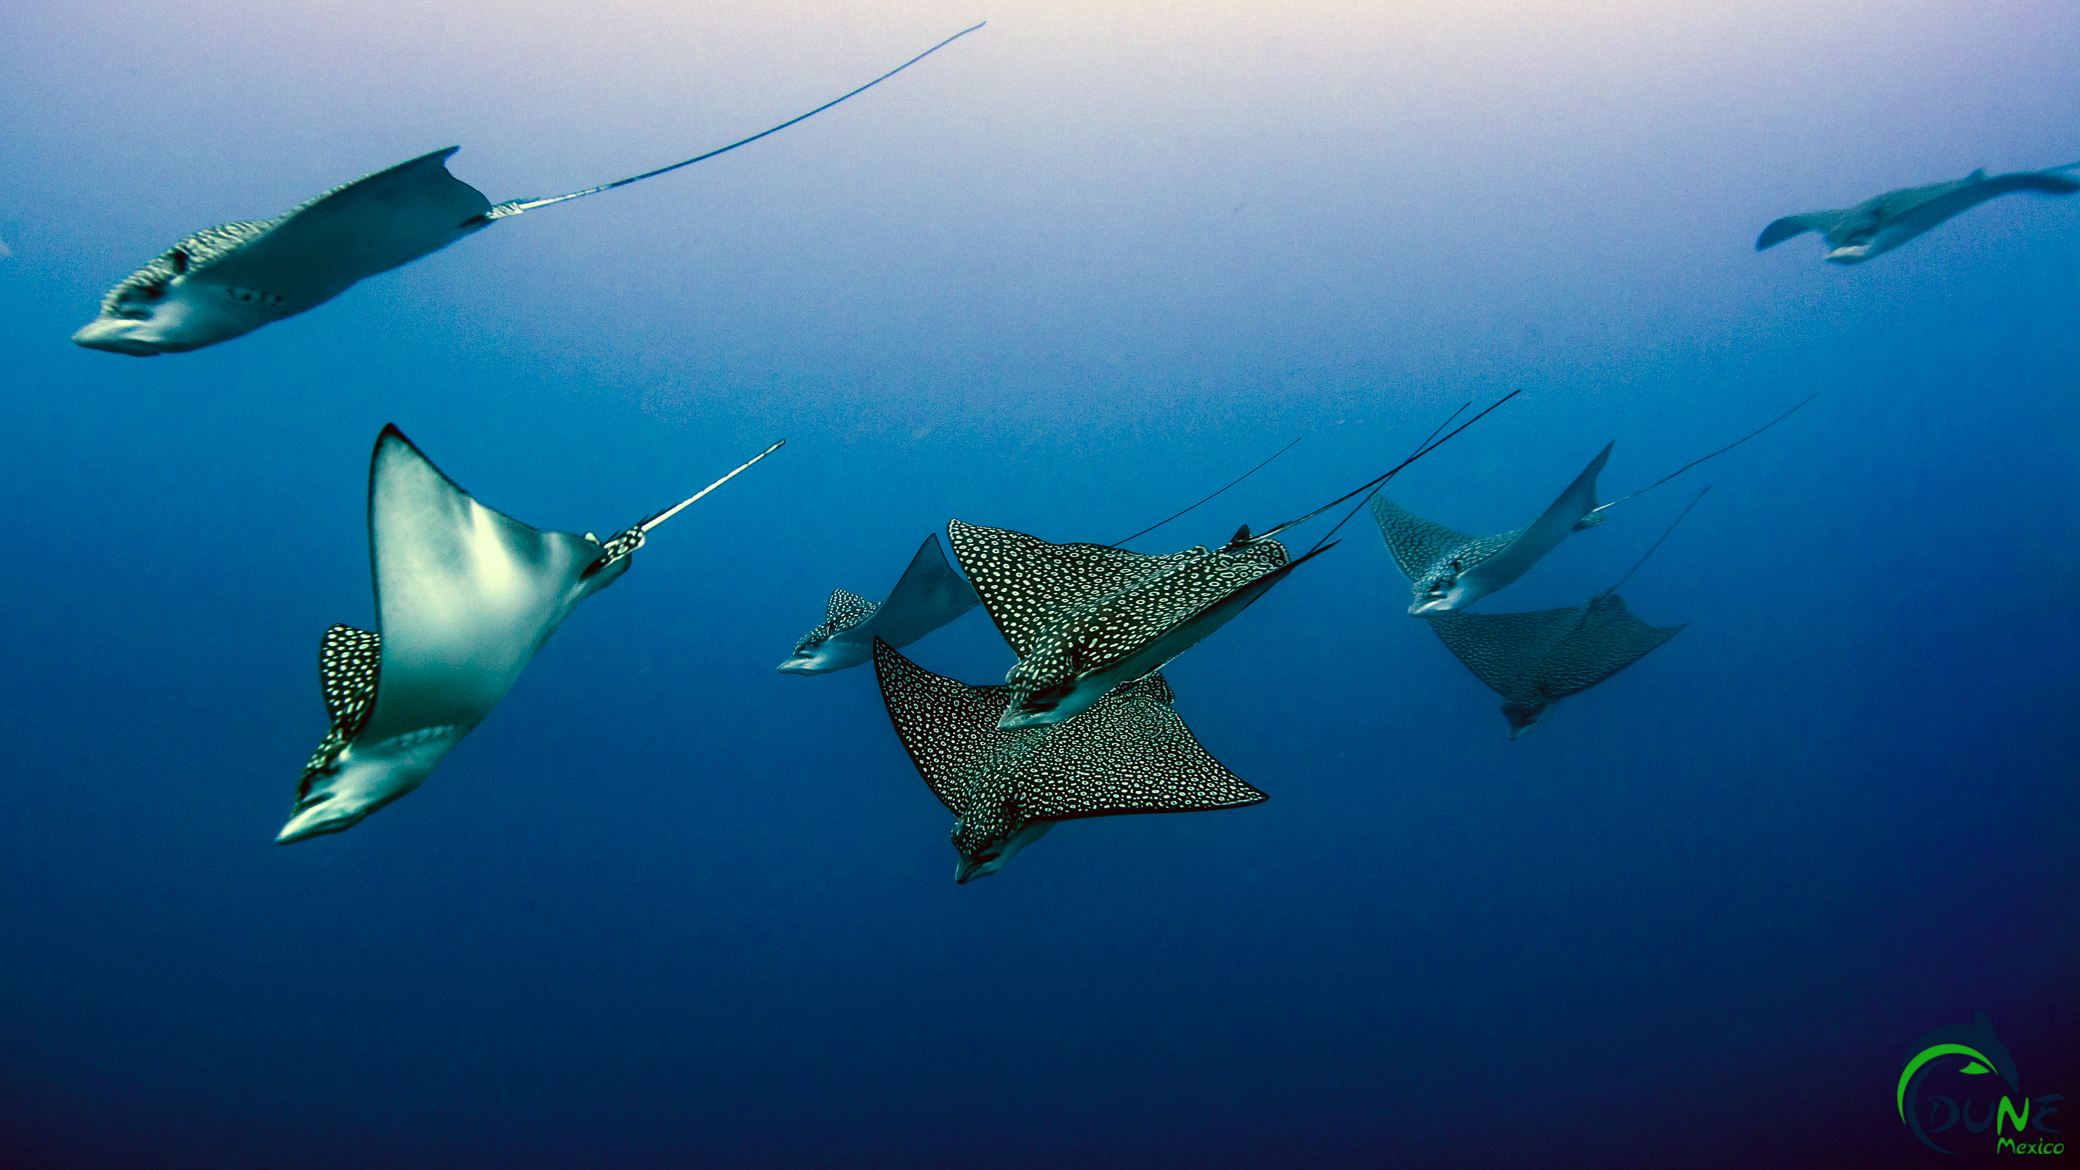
(516, 206)
(1668, 532)
(1373, 484)
(1694, 462)
(1237, 479)
(674, 510)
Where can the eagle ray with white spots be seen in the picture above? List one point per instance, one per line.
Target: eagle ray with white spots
(1084, 618)
(1129, 753)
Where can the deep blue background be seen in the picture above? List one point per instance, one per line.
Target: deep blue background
(669, 907)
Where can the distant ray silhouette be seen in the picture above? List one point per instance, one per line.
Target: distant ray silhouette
(1128, 753)
(1533, 660)
(929, 595)
(229, 280)
(1877, 226)
(465, 596)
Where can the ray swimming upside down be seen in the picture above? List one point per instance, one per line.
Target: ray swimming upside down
(229, 280)
(1877, 226)
(1129, 753)
(465, 596)
(929, 595)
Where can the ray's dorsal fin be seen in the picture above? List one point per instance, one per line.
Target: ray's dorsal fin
(516, 206)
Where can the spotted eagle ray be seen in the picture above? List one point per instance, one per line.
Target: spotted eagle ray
(929, 595)
(1534, 660)
(465, 596)
(229, 280)
(1877, 226)
(1129, 753)
(1450, 570)
(1085, 618)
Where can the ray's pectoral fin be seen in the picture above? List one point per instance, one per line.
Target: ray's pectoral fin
(929, 595)
(1416, 544)
(1129, 753)
(354, 231)
(1797, 225)
(1544, 534)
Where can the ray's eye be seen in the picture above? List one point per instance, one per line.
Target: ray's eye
(152, 292)
(179, 259)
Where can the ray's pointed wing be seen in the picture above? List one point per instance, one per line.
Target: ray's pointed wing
(1544, 534)
(1130, 753)
(1789, 226)
(1607, 640)
(465, 595)
(948, 727)
(1922, 208)
(1506, 650)
(1416, 543)
(371, 225)
(929, 595)
(1025, 582)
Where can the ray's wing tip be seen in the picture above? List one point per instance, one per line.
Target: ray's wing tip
(1781, 229)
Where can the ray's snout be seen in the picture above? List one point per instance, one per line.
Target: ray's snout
(318, 815)
(116, 335)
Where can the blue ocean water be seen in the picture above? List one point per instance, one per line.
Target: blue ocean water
(667, 907)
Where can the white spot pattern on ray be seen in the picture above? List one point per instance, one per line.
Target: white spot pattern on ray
(1129, 753)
